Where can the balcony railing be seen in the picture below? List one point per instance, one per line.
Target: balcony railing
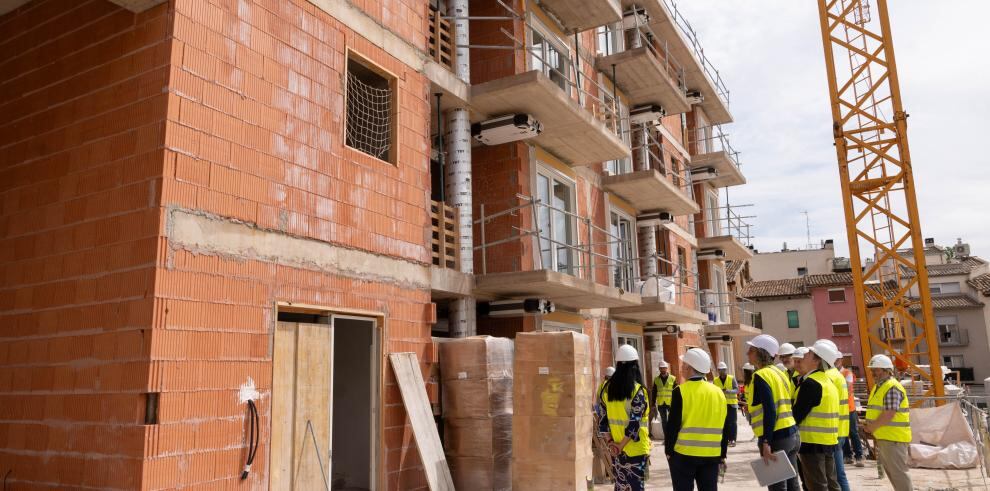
(954, 337)
(699, 52)
(441, 39)
(728, 222)
(648, 155)
(727, 308)
(444, 229)
(640, 35)
(711, 139)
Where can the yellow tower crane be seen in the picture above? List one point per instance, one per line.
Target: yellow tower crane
(893, 303)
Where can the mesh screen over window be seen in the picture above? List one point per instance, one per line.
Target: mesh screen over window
(369, 112)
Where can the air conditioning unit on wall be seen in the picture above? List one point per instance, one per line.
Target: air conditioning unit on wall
(646, 114)
(505, 129)
(704, 174)
(654, 218)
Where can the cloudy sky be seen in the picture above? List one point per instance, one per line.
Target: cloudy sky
(770, 54)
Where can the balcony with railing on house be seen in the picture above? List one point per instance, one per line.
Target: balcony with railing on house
(642, 64)
(953, 337)
(702, 79)
(714, 160)
(724, 234)
(580, 118)
(648, 182)
(729, 314)
(667, 296)
(541, 248)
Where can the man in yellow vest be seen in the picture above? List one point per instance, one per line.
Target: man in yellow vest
(663, 388)
(696, 435)
(843, 392)
(816, 411)
(888, 419)
(727, 384)
(770, 407)
(624, 413)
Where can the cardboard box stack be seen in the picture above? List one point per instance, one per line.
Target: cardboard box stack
(476, 375)
(553, 414)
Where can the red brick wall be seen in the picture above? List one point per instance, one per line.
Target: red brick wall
(83, 107)
(255, 134)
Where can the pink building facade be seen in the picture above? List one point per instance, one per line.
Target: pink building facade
(835, 319)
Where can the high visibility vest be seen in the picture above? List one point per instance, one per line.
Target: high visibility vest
(780, 388)
(821, 425)
(618, 419)
(731, 394)
(702, 420)
(899, 428)
(843, 392)
(664, 390)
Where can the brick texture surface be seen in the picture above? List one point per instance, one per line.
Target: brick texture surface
(82, 99)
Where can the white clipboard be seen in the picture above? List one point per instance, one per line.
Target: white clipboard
(778, 470)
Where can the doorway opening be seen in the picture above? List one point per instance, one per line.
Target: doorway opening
(325, 409)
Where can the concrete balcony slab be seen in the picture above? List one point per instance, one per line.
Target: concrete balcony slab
(654, 310)
(732, 329)
(645, 79)
(570, 132)
(581, 15)
(562, 289)
(733, 249)
(729, 173)
(649, 190)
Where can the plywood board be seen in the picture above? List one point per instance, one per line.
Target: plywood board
(417, 404)
(302, 394)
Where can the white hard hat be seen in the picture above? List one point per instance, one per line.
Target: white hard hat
(663, 364)
(830, 343)
(722, 366)
(786, 349)
(765, 342)
(609, 371)
(627, 353)
(825, 350)
(881, 361)
(698, 359)
(748, 366)
(799, 353)
(781, 366)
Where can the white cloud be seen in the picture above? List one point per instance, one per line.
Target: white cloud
(769, 52)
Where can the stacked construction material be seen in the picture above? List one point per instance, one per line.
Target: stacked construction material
(552, 415)
(476, 374)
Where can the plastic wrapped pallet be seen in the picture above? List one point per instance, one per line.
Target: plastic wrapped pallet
(476, 374)
(552, 418)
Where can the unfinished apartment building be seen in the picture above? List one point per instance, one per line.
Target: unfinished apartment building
(209, 206)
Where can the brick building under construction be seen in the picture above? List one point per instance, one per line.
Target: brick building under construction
(204, 202)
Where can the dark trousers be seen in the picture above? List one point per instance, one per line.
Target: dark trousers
(818, 472)
(630, 472)
(686, 471)
(664, 412)
(730, 419)
(790, 445)
(853, 447)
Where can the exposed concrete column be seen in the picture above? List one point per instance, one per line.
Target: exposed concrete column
(462, 319)
(647, 249)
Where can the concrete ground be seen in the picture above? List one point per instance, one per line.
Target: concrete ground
(739, 476)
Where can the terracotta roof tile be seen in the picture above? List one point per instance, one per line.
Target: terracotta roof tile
(981, 283)
(960, 301)
(792, 287)
(829, 279)
(950, 269)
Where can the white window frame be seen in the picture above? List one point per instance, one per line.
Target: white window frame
(950, 362)
(830, 290)
(563, 48)
(555, 326)
(614, 38)
(553, 174)
(633, 270)
(721, 290)
(713, 215)
(932, 287)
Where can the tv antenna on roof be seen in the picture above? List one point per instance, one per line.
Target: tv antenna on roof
(807, 229)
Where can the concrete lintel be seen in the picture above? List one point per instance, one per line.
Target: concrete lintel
(450, 283)
(204, 234)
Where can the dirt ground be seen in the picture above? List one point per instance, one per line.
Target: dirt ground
(739, 476)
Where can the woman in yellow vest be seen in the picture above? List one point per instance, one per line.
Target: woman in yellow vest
(625, 425)
(816, 411)
(770, 407)
(727, 384)
(888, 418)
(696, 436)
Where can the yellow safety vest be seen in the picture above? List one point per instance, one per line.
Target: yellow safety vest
(664, 390)
(703, 411)
(842, 389)
(781, 388)
(731, 394)
(899, 428)
(618, 419)
(821, 425)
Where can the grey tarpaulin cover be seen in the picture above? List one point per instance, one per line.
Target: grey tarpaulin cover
(942, 439)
